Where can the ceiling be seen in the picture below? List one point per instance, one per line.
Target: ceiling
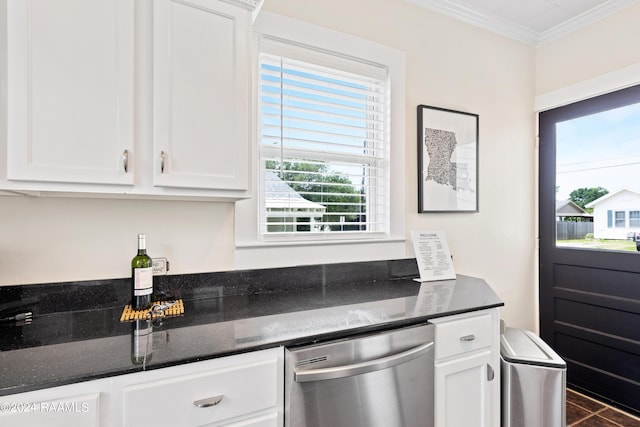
(531, 21)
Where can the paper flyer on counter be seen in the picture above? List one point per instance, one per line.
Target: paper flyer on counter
(433, 256)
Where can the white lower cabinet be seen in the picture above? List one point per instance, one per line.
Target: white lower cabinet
(240, 390)
(248, 389)
(462, 392)
(77, 405)
(467, 370)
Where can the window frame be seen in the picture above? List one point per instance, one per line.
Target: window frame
(252, 251)
(340, 63)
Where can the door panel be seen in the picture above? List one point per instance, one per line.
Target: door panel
(589, 299)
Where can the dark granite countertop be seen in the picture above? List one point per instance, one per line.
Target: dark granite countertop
(76, 334)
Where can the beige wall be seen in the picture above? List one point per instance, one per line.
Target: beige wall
(457, 66)
(62, 239)
(449, 64)
(603, 47)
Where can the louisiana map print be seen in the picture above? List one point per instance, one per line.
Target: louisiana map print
(440, 145)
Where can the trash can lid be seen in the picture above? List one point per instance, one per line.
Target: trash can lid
(522, 346)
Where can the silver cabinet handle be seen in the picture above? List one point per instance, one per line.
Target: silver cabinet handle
(163, 155)
(125, 160)
(468, 338)
(490, 373)
(210, 401)
(361, 368)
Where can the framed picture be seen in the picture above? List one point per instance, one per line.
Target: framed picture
(447, 160)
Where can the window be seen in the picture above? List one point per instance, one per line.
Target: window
(361, 159)
(634, 219)
(620, 219)
(323, 144)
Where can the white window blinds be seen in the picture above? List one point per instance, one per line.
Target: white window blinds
(323, 143)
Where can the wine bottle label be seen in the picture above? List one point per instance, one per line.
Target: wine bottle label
(142, 281)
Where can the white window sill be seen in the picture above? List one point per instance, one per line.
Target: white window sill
(260, 254)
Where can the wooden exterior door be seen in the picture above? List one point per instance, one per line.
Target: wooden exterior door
(590, 298)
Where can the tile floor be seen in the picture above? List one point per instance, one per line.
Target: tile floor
(582, 411)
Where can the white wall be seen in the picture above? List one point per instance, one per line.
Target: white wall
(449, 64)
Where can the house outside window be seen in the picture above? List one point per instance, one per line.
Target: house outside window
(634, 219)
(620, 219)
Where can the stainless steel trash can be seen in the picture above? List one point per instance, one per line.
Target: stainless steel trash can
(533, 381)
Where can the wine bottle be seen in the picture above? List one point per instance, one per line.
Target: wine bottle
(141, 277)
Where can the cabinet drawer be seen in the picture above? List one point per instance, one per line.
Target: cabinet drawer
(463, 335)
(244, 388)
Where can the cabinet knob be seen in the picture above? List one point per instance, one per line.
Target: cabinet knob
(209, 401)
(468, 338)
(125, 160)
(163, 155)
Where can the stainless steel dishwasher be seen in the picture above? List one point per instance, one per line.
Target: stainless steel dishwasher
(378, 380)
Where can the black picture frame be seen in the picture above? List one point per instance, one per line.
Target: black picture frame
(447, 160)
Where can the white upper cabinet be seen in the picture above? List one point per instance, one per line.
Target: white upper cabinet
(70, 90)
(200, 85)
(121, 98)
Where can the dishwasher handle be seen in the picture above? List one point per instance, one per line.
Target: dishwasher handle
(309, 375)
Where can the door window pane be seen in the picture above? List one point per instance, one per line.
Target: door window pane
(597, 164)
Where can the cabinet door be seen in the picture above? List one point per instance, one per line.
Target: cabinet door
(70, 99)
(200, 83)
(463, 395)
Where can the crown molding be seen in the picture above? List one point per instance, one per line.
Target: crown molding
(480, 19)
(584, 19)
(517, 32)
